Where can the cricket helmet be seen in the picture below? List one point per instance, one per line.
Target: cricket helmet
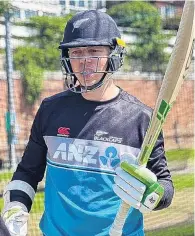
(91, 28)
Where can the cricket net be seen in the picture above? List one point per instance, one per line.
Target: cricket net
(179, 146)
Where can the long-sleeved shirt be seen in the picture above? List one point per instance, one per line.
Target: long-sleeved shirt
(80, 143)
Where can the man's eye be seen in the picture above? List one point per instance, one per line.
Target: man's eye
(94, 51)
(75, 53)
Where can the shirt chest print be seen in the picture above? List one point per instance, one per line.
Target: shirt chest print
(87, 154)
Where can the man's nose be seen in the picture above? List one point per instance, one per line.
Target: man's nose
(86, 58)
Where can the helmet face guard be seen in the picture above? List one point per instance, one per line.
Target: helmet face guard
(114, 62)
(88, 29)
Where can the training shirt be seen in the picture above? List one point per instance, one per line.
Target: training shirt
(81, 143)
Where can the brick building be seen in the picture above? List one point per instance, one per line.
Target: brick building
(178, 129)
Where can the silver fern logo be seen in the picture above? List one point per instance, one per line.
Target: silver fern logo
(104, 136)
(78, 23)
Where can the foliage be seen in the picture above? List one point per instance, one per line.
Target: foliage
(2, 51)
(40, 53)
(136, 14)
(144, 21)
(4, 6)
(33, 82)
(49, 34)
(27, 60)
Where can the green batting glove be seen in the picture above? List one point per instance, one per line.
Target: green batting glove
(138, 187)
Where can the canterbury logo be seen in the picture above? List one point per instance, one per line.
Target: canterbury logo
(63, 131)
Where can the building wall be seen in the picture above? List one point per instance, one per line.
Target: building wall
(178, 129)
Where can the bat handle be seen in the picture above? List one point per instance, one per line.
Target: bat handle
(117, 227)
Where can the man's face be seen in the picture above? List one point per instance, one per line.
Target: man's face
(87, 61)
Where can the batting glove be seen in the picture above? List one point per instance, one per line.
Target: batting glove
(138, 187)
(16, 219)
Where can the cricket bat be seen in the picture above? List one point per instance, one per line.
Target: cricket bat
(174, 76)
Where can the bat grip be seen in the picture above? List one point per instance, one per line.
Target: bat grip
(117, 227)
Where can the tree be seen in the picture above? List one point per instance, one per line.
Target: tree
(4, 5)
(145, 23)
(40, 53)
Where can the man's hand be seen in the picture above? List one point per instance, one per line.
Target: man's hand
(138, 187)
(16, 219)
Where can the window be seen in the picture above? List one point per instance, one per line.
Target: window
(62, 2)
(81, 3)
(29, 13)
(48, 14)
(72, 3)
(16, 13)
(170, 11)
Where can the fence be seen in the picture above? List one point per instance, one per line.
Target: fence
(179, 138)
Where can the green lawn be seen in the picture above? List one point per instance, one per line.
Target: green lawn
(183, 181)
(6, 176)
(38, 205)
(180, 154)
(180, 230)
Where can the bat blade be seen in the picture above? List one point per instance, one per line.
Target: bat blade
(175, 73)
(174, 76)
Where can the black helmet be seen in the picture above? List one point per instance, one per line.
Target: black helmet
(91, 28)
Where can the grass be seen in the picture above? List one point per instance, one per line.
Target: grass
(1, 204)
(179, 230)
(6, 175)
(183, 181)
(38, 204)
(180, 154)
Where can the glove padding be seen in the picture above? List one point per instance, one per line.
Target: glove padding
(16, 221)
(138, 187)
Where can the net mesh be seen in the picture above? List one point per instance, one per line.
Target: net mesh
(178, 134)
(179, 144)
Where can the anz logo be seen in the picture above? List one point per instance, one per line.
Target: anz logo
(110, 158)
(87, 156)
(79, 153)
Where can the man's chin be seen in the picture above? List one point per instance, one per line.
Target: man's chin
(89, 83)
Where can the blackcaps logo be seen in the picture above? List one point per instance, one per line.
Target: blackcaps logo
(105, 137)
(110, 159)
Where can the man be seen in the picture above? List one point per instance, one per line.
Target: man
(81, 136)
